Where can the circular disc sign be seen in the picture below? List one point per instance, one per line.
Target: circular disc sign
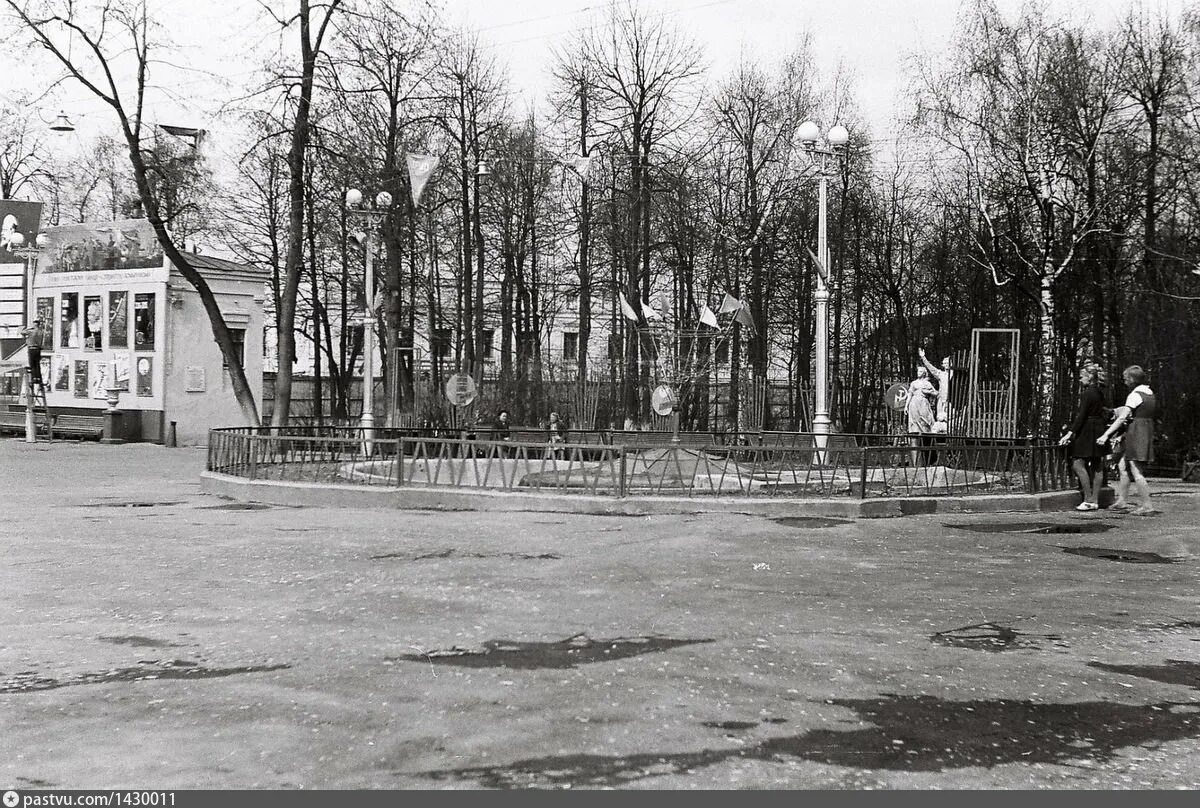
(896, 396)
(460, 389)
(662, 400)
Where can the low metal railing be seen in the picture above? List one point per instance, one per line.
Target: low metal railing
(954, 467)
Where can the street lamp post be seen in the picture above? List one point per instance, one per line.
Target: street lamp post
(824, 160)
(30, 254)
(371, 219)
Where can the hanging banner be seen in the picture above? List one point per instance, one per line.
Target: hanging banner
(420, 169)
(707, 317)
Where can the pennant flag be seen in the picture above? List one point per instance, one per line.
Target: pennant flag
(707, 317)
(420, 168)
(626, 309)
(743, 317)
(582, 165)
(730, 303)
(821, 270)
(649, 313)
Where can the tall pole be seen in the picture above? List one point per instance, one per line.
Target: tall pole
(821, 403)
(368, 406)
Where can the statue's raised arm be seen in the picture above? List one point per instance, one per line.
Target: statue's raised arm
(942, 375)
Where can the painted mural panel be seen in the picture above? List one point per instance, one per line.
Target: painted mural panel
(96, 247)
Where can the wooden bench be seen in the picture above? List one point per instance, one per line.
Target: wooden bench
(82, 426)
(689, 440)
(11, 421)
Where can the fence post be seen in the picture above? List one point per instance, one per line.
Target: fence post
(862, 476)
(1032, 477)
(621, 476)
(253, 449)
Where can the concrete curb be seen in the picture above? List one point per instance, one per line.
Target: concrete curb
(449, 499)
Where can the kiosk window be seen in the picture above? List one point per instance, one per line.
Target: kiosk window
(68, 320)
(118, 319)
(93, 324)
(143, 321)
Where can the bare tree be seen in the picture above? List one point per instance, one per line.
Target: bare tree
(110, 34)
(640, 69)
(24, 159)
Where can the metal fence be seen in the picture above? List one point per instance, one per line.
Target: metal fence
(802, 467)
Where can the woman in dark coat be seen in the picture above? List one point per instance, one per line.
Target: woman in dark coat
(1087, 456)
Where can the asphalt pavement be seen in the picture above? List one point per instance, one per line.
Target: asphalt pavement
(154, 636)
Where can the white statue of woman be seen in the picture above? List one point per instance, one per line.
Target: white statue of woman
(942, 375)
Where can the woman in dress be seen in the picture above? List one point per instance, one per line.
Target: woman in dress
(1087, 456)
(1136, 418)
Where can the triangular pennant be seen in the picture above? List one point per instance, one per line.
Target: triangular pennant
(707, 317)
(821, 270)
(743, 317)
(649, 313)
(730, 303)
(582, 164)
(420, 168)
(626, 309)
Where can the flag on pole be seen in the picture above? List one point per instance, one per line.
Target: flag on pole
(626, 309)
(707, 317)
(420, 168)
(821, 270)
(730, 303)
(649, 313)
(743, 317)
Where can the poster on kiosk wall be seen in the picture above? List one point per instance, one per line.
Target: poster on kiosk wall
(20, 223)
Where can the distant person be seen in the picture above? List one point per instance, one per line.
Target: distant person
(1087, 455)
(34, 336)
(501, 429)
(1133, 422)
(557, 429)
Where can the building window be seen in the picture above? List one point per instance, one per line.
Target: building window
(485, 349)
(572, 301)
(441, 342)
(570, 346)
(238, 335)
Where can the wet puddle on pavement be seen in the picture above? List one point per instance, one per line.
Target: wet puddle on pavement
(452, 553)
(1174, 672)
(1126, 556)
(900, 733)
(810, 521)
(146, 670)
(132, 504)
(993, 637)
(1052, 528)
(562, 654)
(236, 506)
(735, 726)
(138, 641)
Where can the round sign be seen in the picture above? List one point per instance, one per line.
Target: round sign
(460, 389)
(897, 396)
(662, 400)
